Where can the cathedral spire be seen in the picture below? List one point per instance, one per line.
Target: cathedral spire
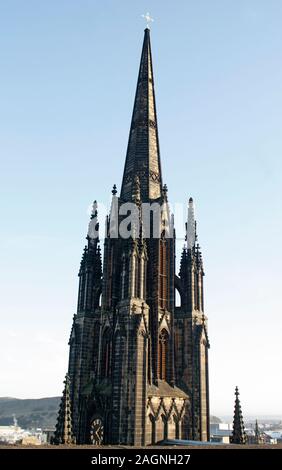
(238, 433)
(143, 153)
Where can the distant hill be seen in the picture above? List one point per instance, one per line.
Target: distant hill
(215, 420)
(32, 413)
(6, 398)
(36, 413)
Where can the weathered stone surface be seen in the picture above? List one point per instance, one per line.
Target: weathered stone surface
(138, 364)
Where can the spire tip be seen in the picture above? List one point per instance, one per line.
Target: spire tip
(147, 17)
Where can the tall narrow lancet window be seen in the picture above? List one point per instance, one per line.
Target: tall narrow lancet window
(106, 354)
(137, 274)
(163, 273)
(123, 277)
(196, 290)
(163, 355)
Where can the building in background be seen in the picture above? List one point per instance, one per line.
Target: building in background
(220, 432)
(14, 434)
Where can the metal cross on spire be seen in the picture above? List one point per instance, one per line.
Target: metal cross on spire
(148, 19)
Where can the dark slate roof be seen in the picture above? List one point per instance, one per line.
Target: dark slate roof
(165, 390)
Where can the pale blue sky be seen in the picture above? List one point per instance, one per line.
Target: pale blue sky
(67, 83)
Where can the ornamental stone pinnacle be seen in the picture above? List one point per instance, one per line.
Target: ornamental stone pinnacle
(63, 432)
(238, 432)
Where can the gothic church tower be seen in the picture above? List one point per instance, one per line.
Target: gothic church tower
(138, 365)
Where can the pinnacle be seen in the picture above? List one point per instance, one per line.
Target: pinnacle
(238, 433)
(63, 433)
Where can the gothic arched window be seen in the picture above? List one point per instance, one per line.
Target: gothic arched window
(163, 355)
(106, 354)
(163, 252)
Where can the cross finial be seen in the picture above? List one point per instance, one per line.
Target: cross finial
(148, 19)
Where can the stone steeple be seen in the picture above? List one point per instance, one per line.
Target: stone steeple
(238, 433)
(143, 153)
(138, 364)
(63, 433)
